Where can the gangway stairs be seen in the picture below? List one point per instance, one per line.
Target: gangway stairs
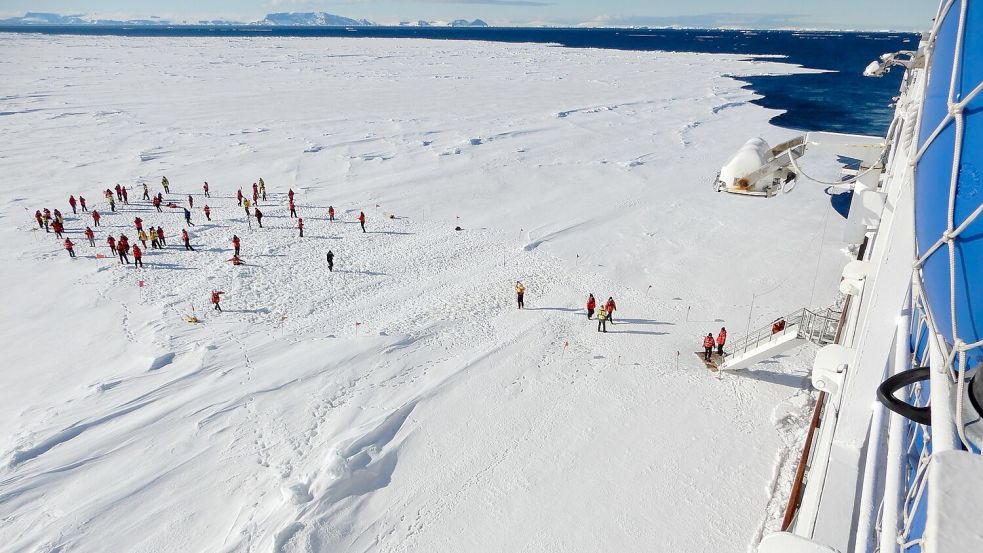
(804, 325)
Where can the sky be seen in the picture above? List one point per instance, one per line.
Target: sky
(909, 15)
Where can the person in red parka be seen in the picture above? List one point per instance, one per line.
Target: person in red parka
(191, 202)
(235, 244)
(57, 227)
(239, 197)
(216, 298)
(591, 304)
(112, 243)
(610, 307)
(119, 193)
(138, 222)
(160, 235)
(122, 248)
(126, 197)
(290, 194)
(96, 217)
(82, 203)
(361, 219)
(187, 240)
(156, 203)
(70, 247)
(331, 213)
(259, 216)
(721, 340)
(91, 236)
(71, 202)
(208, 212)
(137, 256)
(293, 208)
(708, 346)
(300, 226)
(39, 219)
(255, 192)
(205, 188)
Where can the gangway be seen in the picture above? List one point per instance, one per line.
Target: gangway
(785, 333)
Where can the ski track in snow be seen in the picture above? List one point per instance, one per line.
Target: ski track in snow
(401, 402)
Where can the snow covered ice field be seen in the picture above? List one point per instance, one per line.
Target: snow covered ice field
(447, 420)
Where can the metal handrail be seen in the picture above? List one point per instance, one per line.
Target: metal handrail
(819, 327)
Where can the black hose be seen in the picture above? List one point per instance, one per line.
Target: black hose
(885, 394)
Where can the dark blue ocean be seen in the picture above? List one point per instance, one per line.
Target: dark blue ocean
(840, 100)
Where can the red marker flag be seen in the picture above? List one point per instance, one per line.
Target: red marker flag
(140, 284)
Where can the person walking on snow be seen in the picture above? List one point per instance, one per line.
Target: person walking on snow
(208, 212)
(591, 303)
(82, 204)
(708, 347)
(71, 202)
(255, 192)
(520, 292)
(300, 226)
(59, 217)
(96, 217)
(138, 223)
(146, 191)
(70, 247)
(138, 256)
(187, 240)
(58, 228)
(119, 192)
(205, 188)
(216, 298)
(142, 236)
(47, 220)
(91, 236)
(187, 217)
(245, 205)
(239, 197)
(361, 219)
(166, 184)
(235, 244)
(331, 213)
(293, 209)
(331, 261)
(160, 235)
(290, 194)
(259, 216)
(112, 203)
(191, 202)
(112, 243)
(39, 219)
(156, 203)
(602, 320)
(610, 307)
(154, 241)
(721, 340)
(255, 197)
(126, 197)
(262, 188)
(122, 249)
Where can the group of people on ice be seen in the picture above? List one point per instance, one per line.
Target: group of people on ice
(605, 314)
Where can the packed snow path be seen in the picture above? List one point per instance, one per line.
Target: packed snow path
(401, 402)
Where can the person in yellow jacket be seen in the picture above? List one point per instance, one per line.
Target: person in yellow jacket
(602, 320)
(246, 204)
(520, 291)
(143, 238)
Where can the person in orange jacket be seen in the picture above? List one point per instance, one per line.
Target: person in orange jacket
(708, 346)
(610, 307)
(721, 340)
(591, 304)
(70, 247)
(216, 298)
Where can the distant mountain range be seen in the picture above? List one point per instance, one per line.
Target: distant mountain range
(295, 19)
